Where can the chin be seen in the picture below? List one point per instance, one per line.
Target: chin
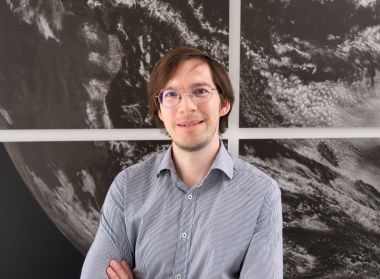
(192, 147)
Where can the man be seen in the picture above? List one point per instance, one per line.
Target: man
(193, 211)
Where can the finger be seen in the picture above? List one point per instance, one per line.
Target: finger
(111, 274)
(127, 268)
(119, 270)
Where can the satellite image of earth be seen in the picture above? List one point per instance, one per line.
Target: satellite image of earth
(310, 63)
(331, 203)
(85, 64)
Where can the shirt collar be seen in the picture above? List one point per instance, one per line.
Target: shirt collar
(166, 162)
(223, 161)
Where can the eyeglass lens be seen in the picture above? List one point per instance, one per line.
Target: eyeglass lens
(198, 95)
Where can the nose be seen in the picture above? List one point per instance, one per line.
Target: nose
(186, 104)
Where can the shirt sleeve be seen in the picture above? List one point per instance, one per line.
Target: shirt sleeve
(111, 240)
(264, 258)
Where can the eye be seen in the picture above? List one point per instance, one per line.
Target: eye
(200, 92)
(170, 94)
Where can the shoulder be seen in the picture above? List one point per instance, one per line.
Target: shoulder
(140, 176)
(249, 176)
(242, 167)
(144, 168)
(136, 182)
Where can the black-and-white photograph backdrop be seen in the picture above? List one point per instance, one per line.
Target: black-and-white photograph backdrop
(331, 203)
(310, 63)
(68, 64)
(31, 246)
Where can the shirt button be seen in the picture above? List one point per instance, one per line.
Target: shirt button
(184, 235)
(190, 196)
(178, 276)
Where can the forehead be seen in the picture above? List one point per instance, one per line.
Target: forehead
(190, 71)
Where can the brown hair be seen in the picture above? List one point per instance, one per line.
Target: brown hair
(166, 67)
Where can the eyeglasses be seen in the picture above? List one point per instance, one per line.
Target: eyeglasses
(199, 95)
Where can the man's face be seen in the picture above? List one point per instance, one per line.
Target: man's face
(192, 126)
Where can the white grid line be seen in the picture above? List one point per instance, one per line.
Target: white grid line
(36, 135)
(234, 72)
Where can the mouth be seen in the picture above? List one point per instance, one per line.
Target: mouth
(190, 123)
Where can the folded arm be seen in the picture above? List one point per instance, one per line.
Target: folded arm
(111, 240)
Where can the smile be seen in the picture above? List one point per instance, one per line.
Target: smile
(189, 123)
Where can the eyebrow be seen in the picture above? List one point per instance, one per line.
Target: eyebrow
(195, 84)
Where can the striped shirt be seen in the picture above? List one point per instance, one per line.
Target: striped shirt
(227, 226)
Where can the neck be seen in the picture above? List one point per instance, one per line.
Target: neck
(192, 166)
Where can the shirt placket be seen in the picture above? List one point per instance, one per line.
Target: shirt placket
(184, 235)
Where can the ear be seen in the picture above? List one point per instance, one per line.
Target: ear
(160, 115)
(224, 108)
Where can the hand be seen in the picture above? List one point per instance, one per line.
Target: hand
(118, 270)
